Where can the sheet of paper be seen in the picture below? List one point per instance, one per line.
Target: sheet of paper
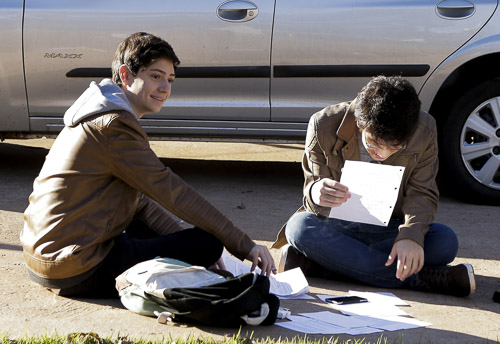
(291, 283)
(296, 297)
(363, 330)
(387, 298)
(332, 323)
(310, 326)
(370, 309)
(234, 265)
(374, 191)
(341, 320)
(399, 323)
(355, 324)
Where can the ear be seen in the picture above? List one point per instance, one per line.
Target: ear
(125, 75)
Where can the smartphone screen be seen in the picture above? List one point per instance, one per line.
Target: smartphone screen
(345, 300)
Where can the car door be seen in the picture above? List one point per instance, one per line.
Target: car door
(325, 51)
(224, 48)
(14, 114)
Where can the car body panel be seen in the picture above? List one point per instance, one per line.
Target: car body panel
(486, 42)
(85, 35)
(14, 114)
(355, 40)
(230, 83)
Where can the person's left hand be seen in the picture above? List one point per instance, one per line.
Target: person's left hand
(219, 265)
(410, 258)
(260, 256)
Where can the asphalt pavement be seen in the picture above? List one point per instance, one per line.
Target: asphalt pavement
(258, 186)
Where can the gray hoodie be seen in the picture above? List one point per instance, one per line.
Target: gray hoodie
(98, 98)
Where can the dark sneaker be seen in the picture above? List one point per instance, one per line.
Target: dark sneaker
(451, 280)
(291, 258)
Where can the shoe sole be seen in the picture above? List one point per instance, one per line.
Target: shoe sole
(472, 278)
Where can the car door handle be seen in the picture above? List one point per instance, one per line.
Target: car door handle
(237, 11)
(455, 9)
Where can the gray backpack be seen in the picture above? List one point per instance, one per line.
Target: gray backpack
(176, 291)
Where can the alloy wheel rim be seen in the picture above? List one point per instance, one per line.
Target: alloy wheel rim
(480, 143)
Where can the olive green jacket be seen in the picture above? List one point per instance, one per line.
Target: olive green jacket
(332, 138)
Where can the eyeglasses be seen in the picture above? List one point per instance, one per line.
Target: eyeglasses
(373, 145)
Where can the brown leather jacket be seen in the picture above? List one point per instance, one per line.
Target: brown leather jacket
(332, 138)
(100, 174)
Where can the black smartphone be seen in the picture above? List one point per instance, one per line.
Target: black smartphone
(345, 300)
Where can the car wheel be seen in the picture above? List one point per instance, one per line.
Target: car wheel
(470, 145)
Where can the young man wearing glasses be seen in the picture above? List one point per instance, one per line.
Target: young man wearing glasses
(384, 125)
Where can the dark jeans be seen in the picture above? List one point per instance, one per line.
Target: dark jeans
(359, 251)
(139, 243)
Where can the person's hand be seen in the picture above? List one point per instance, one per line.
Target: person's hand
(260, 256)
(330, 193)
(410, 258)
(219, 265)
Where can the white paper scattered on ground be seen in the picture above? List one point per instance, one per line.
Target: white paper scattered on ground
(341, 320)
(370, 308)
(383, 297)
(310, 326)
(234, 265)
(296, 297)
(384, 319)
(374, 191)
(291, 284)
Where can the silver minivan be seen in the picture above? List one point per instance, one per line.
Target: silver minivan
(259, 69)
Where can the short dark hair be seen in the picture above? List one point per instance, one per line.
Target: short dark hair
(138, 51)
(388, 108)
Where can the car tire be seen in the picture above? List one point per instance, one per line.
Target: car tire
(470, 145)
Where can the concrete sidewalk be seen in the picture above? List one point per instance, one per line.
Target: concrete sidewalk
(258, 186)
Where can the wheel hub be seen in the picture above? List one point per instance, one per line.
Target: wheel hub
(480, 143)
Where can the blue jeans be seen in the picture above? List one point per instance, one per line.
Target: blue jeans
(359, 251)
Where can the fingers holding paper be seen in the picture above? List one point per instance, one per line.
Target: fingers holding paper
(410, 258)
(327, 192)
(261, 257)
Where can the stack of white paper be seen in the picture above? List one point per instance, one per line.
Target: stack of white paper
(379, 314)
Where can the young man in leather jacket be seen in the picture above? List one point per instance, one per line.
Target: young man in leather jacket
(99, 204)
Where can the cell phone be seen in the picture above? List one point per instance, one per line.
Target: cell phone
(345, 300)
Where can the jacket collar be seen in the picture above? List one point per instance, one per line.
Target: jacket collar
(347, 135)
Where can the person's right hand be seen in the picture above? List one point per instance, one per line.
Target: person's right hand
(330, 193)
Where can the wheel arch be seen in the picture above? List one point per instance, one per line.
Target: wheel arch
(476, 61)
(474, 71)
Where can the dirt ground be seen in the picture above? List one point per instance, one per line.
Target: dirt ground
(258, 186)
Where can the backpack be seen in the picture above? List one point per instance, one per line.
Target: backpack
(175, 291)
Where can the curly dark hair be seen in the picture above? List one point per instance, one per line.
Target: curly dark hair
(140, 50)
(388, 108)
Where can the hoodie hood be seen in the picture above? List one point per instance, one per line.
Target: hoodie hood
(98, 98)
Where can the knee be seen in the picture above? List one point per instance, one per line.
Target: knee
(447, 244)
(300, 227)
(450, 238)
(210, 245)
